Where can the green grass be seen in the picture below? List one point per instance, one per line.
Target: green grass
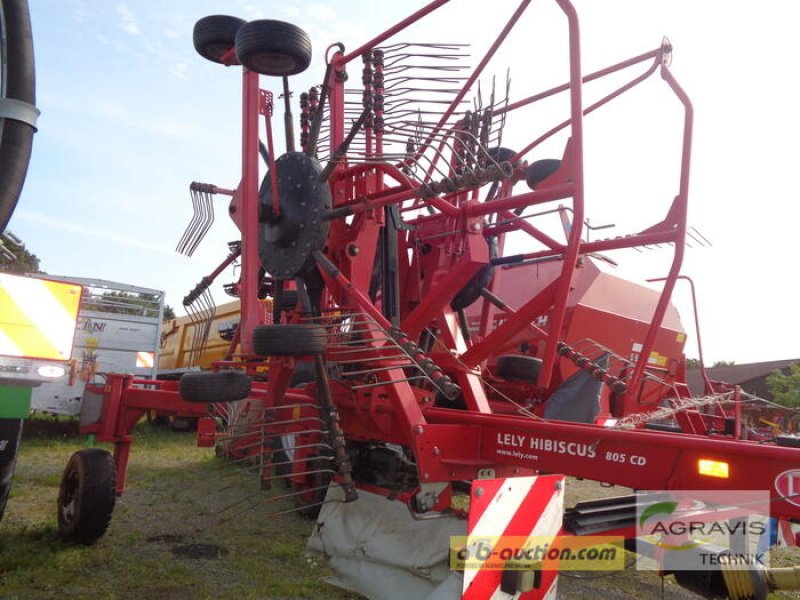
(174, 496)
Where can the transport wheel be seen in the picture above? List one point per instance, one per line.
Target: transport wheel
(273, 48)
(541, 170)
(214, 386)
(10, 434)
(519, 367)
(289, 340)
(182, 424)
(470, 293)
(289, 300)
(310, 474)
(304, 372)
(87, 495)
(281, 459)
(303, 458)
(309, 484)
(215, 35)
(156, 419)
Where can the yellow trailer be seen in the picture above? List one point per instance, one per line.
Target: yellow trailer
(196, 341)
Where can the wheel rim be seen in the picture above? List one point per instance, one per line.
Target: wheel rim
(67, 503)
(217, 51)
(270, 62)
(288, 443)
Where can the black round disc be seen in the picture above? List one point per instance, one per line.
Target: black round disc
(286, 242)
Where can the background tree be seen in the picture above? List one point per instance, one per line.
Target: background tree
(694, 363)
(169, 313)
(14, 257)
(785, 387)
(125, 303)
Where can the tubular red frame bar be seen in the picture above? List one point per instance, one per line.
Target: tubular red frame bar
(250, 282)
(678, 213)
(265, 109)
(575, 158)
(708, 388)
(568, 253)
(571, 251)
(468, 85)
(663, 461)
(410, 20)
(380, 199)
(126, 400)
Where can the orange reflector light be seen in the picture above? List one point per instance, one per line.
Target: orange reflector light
(713, 468)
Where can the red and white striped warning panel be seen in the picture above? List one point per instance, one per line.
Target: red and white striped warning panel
(37, 317)
(511, 508)
(788, 534)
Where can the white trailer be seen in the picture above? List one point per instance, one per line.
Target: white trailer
(118, 331)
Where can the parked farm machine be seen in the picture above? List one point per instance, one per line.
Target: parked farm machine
(457, 342)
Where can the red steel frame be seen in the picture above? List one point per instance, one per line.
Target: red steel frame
(126, 400)
(453, 444)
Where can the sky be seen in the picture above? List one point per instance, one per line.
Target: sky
(131, 114)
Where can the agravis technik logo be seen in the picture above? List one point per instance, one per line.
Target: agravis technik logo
(660, 518)
(693, 527)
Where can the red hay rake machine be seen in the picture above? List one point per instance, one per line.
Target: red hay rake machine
(431, 335)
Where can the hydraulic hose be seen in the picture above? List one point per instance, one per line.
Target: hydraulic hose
(17, 102)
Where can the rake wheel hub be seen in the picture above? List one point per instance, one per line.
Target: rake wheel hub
(287, 241)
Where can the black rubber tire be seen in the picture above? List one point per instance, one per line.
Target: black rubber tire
(289, 300)
(273, 48)
(87, 496)
(304, 372)
(10, 436)
(280, 460)
(470, 293)
(206, 387)
(541, 170)
(215, 35)
(182, 424)
(501, 154)
(289, 340)
(309, 497)
(519, 367)
(158, 420)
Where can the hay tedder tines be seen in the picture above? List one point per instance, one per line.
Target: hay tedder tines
(440, 322)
